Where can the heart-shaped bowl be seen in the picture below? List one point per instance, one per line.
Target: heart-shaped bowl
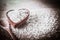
(17, 17)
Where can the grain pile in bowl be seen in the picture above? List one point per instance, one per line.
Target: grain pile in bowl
(16, 17)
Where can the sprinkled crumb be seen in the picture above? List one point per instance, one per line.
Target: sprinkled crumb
(38, 25)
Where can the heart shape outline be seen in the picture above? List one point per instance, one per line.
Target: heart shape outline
(21, 21)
